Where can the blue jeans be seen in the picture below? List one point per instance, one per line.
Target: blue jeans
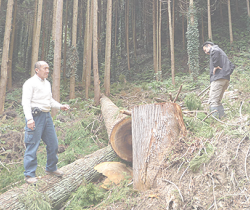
(44, 130)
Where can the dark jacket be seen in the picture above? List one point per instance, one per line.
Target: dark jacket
(219, 58)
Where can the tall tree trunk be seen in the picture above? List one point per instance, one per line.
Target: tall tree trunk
(230, 22)
(108, 48)
(57, 54)
(159, 42)
(134, 27)
(44, 30)
(86, 48)
(209, 20)
(5, 54)
(173, 18)
(33, 36)
(183, 33)
(248, 8)
(35, 45)
(74, 36)
(171, 42)
(88, 70)
(202, 27)
(155, 39)
(12, 47)
(127, 32)
(65, 42)
(54, 19)
(95, 54)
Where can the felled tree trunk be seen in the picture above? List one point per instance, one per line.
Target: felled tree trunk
(59, 189)
(155, 127)
(118, 127)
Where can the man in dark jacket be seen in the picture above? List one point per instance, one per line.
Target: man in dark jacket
(220, 71)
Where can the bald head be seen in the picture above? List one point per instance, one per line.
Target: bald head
(38, 64)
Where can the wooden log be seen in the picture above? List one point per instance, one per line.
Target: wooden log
(119, 130)
(59, 189)
(155, 127)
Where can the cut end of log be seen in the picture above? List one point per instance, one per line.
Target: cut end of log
(121, 139)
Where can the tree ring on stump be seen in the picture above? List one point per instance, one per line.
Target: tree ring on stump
(121, 139)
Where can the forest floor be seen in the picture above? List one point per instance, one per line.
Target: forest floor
(209, 168)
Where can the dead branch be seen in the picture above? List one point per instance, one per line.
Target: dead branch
(204, 90)
(126, 112)
(208, 115)
(241, 108)
(177, 94)
(240, 143)
(165, 180)
(213, 192)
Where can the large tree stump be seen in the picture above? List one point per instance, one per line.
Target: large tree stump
(59, 189)
(155, 127)
(118, 127)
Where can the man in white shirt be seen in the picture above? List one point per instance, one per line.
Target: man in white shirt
(37, 101)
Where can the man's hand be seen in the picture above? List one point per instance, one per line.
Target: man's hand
(31, 124)
(65, 107)
(215, 68)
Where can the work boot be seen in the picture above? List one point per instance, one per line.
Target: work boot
(56, 173)
(219, 111)
(30, 180)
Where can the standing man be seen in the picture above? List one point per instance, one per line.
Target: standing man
(37, 101)
(220, 70)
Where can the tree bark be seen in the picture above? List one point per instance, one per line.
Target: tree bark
(44, 30)
(65, 41)
(95, 54)
(248, 8)
(54, 20)
(155, 39)
(127, 32)
(5, 55)
(74, 36)
(230, 21)
(118, 128)
(155, 127)
(12, 47)
(108, 48)
(171, 42)
(59, 189)
(209, 20)
(57, 54)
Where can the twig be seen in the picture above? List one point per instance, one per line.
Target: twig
(184, 172)
(4, 166)
(241, 108)
(177, 94)
(213, 192)
(246, 162)
(204, 90)
(165, 180)
(209, 115)
(239, 144)
(126, 112)
(202, 111)
(223, 122)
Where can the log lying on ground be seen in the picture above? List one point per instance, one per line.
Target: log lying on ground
(155, 127)
(59, 189)
(118, 127)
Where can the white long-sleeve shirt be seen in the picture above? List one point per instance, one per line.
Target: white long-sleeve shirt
(37, 93)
